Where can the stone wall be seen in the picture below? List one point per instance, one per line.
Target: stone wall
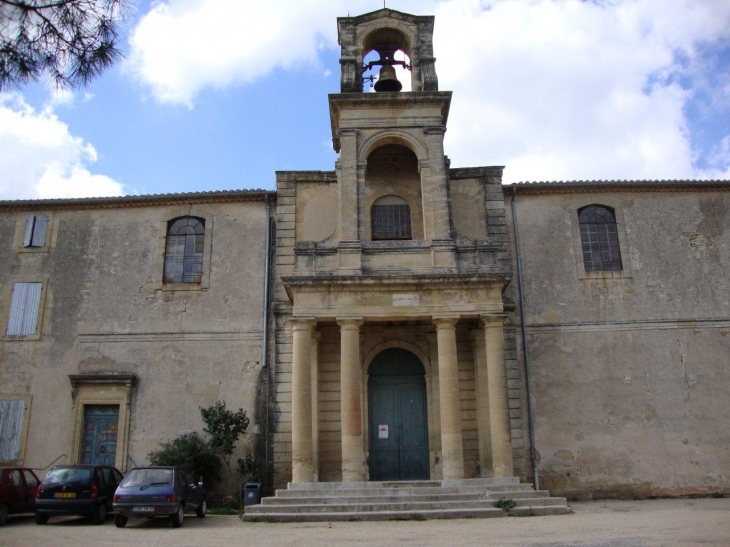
(106, 313)
(629, 369)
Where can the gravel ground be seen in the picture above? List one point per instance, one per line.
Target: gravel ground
(649, 523)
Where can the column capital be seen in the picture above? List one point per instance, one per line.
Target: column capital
(302, 323)
(493, 319)
(351, 322)
(348, 132)
(445, 320)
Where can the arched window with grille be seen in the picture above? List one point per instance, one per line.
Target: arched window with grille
(390, 218)
(184, 250)
(599, 239)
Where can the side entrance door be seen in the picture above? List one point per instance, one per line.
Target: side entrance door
(398, 427)
(99, 443)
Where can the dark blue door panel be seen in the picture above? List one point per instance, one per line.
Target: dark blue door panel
(398, 427)
(99, 443)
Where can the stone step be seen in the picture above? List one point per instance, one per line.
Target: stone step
(375, 497)
(403, 500)
(364, 485)
(503, 489)
(361, 506)
(373, 515)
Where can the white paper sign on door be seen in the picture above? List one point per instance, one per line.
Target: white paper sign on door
(382, 432)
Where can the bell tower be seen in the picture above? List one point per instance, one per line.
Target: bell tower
(387, 298)
(383, 132)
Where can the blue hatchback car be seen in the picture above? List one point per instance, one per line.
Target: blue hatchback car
(158, 492)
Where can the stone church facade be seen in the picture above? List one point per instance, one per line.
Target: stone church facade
(373, 319)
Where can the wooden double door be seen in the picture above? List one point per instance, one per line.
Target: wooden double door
(398, 423)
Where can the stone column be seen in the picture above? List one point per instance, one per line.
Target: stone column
(353, 465)
(436, 180)
(301, 412)
(452, 450)
(349, 171)
(316, 336)
(482, 395)
(498, 407)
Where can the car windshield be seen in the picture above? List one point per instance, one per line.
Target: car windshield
(69, 475)
(148, 477)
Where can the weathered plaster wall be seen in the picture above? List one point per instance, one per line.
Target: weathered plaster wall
(104, 314)
(630, 370)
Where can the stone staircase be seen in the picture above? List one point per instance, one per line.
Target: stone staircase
(404, 500)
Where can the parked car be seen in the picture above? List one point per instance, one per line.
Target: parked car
(18, 487)
(77, 490)
(158, 492)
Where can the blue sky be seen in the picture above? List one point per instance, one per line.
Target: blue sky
(219, 94)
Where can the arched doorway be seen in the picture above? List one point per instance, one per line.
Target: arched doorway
(398, 424)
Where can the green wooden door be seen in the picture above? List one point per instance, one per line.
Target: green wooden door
(397, 420)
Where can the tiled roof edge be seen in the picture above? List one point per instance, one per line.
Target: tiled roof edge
(146, 199)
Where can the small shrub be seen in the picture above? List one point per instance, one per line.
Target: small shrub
(418, 517)
(192, 453)
(505, 504)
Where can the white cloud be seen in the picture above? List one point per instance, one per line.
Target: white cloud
(40, 158)
(553, 89)
(558, 90)
(183, 46)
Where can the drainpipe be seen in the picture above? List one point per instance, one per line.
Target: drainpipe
(530, 415)
(265, 344)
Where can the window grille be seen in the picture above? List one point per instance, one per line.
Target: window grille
(184, 251)
(391, 221)
(599, 239)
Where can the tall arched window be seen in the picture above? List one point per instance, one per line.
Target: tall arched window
(184, 250)
(599, 238)
(390, 218)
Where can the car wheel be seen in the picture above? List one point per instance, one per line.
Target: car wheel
(120, 521)
(99, 515)
(202, 510)
(41, 519)
(177, 518)
(4, 510)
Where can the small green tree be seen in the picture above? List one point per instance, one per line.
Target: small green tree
(193, 454)
(224, 427)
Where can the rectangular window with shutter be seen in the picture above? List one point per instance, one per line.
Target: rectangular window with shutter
(24, 307)
(35, 231)
(12, 421)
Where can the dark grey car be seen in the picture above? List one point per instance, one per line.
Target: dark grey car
(77, 490)
(158, 492)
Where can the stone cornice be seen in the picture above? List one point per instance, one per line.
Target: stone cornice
(383, 13)
(353, 281)
(475, 172)
(407, 99)
(306, 176)
(586, 187)
(226, 196)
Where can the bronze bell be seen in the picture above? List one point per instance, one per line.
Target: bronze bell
(387, 81)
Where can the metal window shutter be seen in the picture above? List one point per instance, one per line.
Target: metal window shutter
(11, 428)
(24, 308)
(39, 231)
(28, 231)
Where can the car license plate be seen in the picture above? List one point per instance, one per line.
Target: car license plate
(143, 509)
(64, 495)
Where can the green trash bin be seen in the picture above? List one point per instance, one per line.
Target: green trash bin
(252, 494)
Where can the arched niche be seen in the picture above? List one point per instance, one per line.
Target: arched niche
(392, 170)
